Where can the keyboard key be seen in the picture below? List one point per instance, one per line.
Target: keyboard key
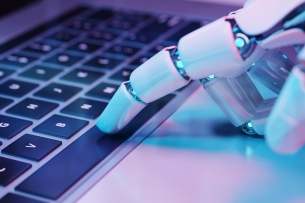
(11, 169)
(103, 62)
(159, 47)
(82, 155)
(184, 31)
(40, 73)
(102, 36)
(122, 75)
(123, 50)
(82, 76)
(16, 88)
(142, 37)
(103, 90)
(131, 15)
(86, 108)
(138, 61)
(84, 47)
(17, 60)
(102, 15)
(153, 30)
(39, 48)
(32, 108)
(61, 126)
(4, 73)
(122, 24)
(63, 59)
(31, 147)
(4, 102)
(12, 126)
(84, 24)
(62, 36)
(13, 198)
(162, 24)
(58, 92)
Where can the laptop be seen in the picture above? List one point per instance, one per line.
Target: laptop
(61, 62)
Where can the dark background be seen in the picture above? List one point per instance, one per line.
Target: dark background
(10, 6)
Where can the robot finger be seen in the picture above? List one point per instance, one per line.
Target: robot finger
(157, 77)
(285, 128)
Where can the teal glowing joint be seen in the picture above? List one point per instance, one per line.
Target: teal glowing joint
(239, 42)
(179, 64)
(212, 76)
(249, 125)
(253, 64)
(284, 56)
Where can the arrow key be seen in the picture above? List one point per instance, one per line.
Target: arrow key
(32, 147)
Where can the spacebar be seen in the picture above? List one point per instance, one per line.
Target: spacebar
(71, 164)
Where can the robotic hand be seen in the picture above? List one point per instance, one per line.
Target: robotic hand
(222, 55)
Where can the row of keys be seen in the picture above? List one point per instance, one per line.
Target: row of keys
(56, 125)
(55, 91)
(36, 109)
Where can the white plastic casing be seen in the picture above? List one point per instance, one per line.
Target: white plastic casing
(285, 128)
(122, 108)
(156, 78)
(211, 50)
(284, 38)
(261, 15)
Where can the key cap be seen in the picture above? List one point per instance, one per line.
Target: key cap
(61, 126)
(82, 76)
(184, 31)
(17, 60)
(16, 88)
(4, 102)
(86, 108)
(153, 30)
(10, 126)
(39, 48)
(159, 47)
(142, 37)
(32, 147)
(11, 169)
(84, 24)
(14, 198)
(102, 15)
(102, 36)
(62, 36)
(4, 73)
(84, 47)
(63, 59)
(138, 17)
(103, 90)
(138, 61)
(32, 108)
(122, 50)
(103, 62)
(122, 75)
(40, 73)
(58, 92)
(122, 24)
(82, 155)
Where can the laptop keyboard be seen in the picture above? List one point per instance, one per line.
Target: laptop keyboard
(56, 79)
